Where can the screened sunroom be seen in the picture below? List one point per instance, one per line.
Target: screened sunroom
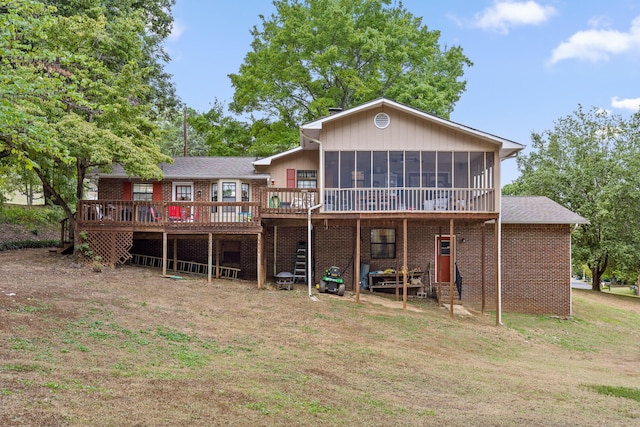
(409, 180)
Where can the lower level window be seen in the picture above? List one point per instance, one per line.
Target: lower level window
(383, 243)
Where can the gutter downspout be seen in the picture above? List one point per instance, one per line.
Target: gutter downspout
(311, 208)
(309, 245)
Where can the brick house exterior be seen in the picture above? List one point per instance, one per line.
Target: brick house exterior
(382, 185)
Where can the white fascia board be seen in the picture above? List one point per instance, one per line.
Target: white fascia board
(267, 160)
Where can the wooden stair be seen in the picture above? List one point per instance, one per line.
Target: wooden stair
(65, 248)
(444, 296)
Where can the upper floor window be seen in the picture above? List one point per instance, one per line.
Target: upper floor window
(228, 191)
(245, 192)
(307, 179)
(183, 192)
(228, 195)
(142, 191)
(214, 192)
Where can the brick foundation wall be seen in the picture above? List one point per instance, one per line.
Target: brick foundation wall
(535, 258)
(335, 246)
(535, 261)
(288, 238)
(536, 269)
(197, 250)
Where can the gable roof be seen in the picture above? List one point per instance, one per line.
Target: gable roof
(312, 129)
(201, 168)
(537, 210)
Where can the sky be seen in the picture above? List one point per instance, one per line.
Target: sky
(534, 61)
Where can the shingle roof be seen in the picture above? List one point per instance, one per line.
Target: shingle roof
(537, 210)
(202, 168)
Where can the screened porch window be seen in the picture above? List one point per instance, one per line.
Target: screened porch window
(408, 169)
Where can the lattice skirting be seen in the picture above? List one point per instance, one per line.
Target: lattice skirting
(112, 247)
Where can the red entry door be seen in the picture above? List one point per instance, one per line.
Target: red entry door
(443, 261)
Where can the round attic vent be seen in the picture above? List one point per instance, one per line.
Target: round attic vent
(382, 120)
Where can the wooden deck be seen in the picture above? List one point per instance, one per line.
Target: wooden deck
(286, 203)
(171, 217)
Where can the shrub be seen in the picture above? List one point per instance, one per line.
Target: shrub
(32, 216)
(28, 244)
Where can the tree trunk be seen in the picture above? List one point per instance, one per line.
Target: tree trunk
(595, 279)
(55, 196)
(597, 271)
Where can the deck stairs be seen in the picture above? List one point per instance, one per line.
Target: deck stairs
(443, 293)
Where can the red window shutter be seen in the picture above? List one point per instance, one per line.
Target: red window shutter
(126, 190)
(157, 192)
(291, 178)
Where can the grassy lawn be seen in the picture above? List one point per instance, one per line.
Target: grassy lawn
(126, 347)
(623, 290)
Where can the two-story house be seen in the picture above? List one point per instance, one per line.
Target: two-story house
(376, 190)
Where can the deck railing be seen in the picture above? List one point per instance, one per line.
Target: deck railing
(409, 199)
(183, 214)
(285, 201)
(289, 200)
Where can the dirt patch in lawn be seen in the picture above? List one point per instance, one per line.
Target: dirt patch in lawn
(128, 347)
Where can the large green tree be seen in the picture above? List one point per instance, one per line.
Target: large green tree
(315, 54)
(224, 135)
(149, 52)
(74, 95)
(589, 163)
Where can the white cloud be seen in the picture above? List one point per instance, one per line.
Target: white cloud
(176, 31)
(504, 15)
(600, 21)
(598, 44)
(632, 104)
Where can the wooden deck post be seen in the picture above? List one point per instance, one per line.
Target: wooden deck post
(357, 261)
(451, 266)
(259, 262)
(164, 253)
(404, 268)
(218, 257)
(210, 258)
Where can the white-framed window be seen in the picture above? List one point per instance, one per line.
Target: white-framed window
(182, 191)
(307, 179)
(229, 195)
(214, 192)
(142, 191)
(214, 195)
(246, 194)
